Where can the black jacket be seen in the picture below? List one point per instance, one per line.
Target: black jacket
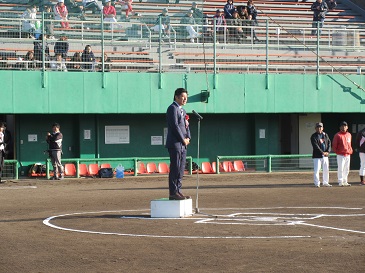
(317, 147)
(360, 135)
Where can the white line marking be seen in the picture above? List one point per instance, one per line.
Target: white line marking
(18, 187)
(236, 218)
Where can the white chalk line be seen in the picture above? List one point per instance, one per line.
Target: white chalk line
(204, 220)
(18, 187)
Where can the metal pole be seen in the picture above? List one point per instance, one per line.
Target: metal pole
(197, 173)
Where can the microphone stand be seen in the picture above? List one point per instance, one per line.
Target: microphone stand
(197, 173)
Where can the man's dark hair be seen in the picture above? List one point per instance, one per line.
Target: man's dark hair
(179, 91)
(2, 124)
(56, 125)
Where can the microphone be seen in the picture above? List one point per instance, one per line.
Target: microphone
(197, 115)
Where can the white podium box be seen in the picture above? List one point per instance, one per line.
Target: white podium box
(165, 208)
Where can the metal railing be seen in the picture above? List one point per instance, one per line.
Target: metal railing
(269, 47)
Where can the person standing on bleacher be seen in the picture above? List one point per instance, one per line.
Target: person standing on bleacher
(319, 9)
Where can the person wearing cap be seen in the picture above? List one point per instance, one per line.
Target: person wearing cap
(197, 13)
(61, 13)
(188, 21)
(360, 144)
(165, 23)
(341, 145)
(321, 144)
(220, 25)
(252, 17)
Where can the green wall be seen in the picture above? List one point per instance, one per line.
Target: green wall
(238, 107)
(77, 92)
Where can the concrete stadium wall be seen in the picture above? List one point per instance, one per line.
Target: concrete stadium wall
(77, 92)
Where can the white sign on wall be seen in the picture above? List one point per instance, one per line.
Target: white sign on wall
(156, 140)
(118, 134)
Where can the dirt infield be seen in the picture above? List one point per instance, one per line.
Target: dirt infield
(248, 223)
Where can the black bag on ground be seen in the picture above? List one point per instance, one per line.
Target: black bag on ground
(106, 173)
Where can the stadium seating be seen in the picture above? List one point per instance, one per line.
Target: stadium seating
(70, 169)
(105, 165)
(83, 171)
(151, 167)
(163, 167)
(141, 169)
(93, 169)
(227, 166)
(238, 166)
(207, 168)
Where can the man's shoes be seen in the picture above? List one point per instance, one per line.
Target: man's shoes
(327, 185)
(317, 186)
(345, 185)
(53, 178)
(176, 197)
(61, 177)
(362, 183)
(185, 196)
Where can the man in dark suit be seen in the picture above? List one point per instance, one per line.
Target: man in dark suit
(177, 140)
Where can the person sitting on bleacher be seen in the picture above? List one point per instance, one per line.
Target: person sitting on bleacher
(229, 9)
(319, 9)
(61, 47)
(236, 32)
(331, 4)
(88, 59)
(197, 13)
(93, 5)
(165, 24)
(48, 23)
(58, 64)
(252, 17)
(109, 14)
(75, 62)
(38, 50)
(189, 22)
(30, 22)
(220, 25)
(29, 61)
(243, 14)
(74, 8)
(127, 6)
(61, 13)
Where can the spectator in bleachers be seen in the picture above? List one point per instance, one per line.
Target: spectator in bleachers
(58, 64)
(38, 3)
(74, 8)
(61, 46)
(236, 32)
(38, 50)
(243, 14)
(29, 61)
(220, 25)
(331, 4)
(165, 24)
(252, 17)
(107, 64)
(88, 58)
(189, 22)
(48, 25)
(30, 22)
(228, 9)
(109, 14)
(127, 6)
(75, 62)
(93, 5)
(319, 9)
(197, 13)
(61, 13)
